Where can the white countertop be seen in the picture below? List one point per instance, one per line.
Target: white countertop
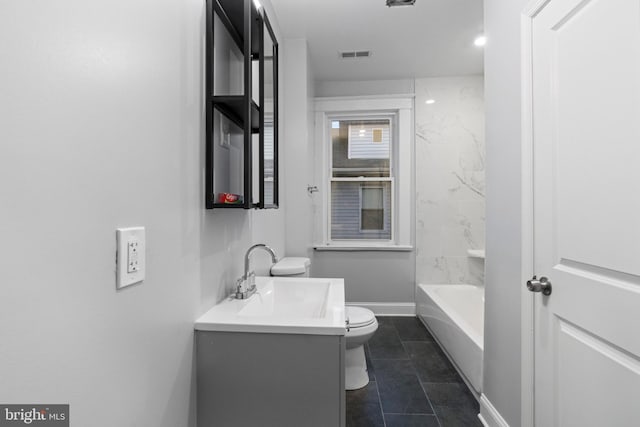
(282, 305)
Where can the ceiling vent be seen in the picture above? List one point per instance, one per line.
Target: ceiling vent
(392, 3)
(351, 54)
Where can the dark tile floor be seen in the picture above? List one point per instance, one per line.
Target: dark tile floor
(412, 383)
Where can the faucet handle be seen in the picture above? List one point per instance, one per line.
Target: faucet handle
(239, 293)
(251, 280)
(246, 286)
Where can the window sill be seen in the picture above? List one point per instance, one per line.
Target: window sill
(364, 248)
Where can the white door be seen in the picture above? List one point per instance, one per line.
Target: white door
(586, 178)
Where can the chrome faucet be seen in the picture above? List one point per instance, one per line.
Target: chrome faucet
(246, 285)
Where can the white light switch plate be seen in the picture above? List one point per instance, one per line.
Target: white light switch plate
(130, 258)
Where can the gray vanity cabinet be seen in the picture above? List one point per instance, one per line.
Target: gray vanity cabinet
(270, 380)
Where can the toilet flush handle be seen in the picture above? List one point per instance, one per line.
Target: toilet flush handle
(347, 325)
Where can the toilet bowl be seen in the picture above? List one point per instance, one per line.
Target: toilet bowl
(361, 325)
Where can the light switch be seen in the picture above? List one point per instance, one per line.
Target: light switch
(130, 258)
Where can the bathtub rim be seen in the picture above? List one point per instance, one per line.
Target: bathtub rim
(453, 339)
(459, 321)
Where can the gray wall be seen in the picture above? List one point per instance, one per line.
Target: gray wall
(502, 269)
(101, 123)
(364, 87)
(375, 276)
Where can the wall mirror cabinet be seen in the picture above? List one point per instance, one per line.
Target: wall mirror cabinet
(242, 105)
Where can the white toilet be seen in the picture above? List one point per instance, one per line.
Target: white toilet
(291, 267)
(361, 325)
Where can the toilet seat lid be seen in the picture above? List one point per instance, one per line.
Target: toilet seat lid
(289, 266)
(359, 316)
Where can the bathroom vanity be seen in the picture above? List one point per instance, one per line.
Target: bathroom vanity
(275, 359)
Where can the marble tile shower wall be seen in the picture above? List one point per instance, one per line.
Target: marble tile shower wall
(450, 179)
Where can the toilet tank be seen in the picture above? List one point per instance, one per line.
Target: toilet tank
(291, 267)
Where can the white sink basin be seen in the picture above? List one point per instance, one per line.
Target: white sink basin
(282, 305)
(295, 299)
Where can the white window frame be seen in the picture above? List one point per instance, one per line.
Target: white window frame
(391, 117)
(402, 182)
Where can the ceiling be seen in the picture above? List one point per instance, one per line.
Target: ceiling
(431, 38)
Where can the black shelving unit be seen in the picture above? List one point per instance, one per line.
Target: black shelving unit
(245, 26)
(233, 107)
(268, 37)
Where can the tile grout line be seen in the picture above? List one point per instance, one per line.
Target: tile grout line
(417, 376)
(424, 392)
(470, 402)
(395, 329)
(384, 422)
(411, 414)
(375, 380)
(407, 357)
(391, 359)
(414, 370)
(397, 334)
(422, 387)
(430, 404)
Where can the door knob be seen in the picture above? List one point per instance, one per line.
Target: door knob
(543, 285)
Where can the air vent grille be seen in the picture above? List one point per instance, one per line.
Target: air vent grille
(392, 3)
(351, 54)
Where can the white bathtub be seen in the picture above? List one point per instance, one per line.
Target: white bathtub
(455, 316)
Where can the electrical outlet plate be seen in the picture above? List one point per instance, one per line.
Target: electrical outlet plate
(130, 257)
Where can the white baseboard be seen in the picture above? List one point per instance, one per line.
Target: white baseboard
(388, 309)
(489, 415)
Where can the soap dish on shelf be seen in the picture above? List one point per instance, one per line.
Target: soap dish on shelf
(476, 253)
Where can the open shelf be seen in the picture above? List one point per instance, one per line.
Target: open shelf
(227, 205)
(231, 13)
(232, 106)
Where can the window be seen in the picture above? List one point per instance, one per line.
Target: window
(369, 140)
(361, 178)
(372, 209)
(364, 151)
